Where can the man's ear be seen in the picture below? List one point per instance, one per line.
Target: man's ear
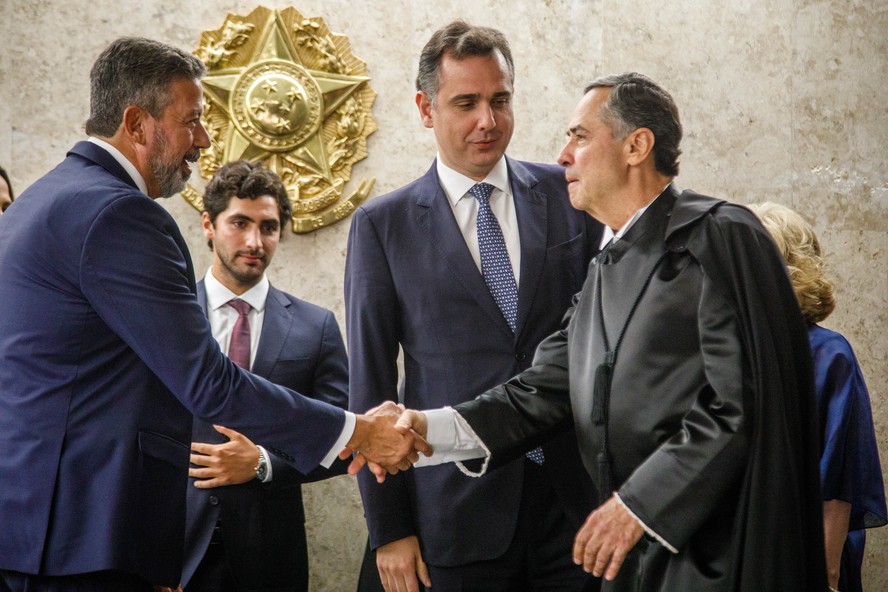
(424, 104)
(135, 120)
(207, 225)
(639, 145)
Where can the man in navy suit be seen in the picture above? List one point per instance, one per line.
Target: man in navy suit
(245, 526)
(109, 354)
(416, 280)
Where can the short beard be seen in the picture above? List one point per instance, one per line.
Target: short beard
(246, 279)
(167, 175)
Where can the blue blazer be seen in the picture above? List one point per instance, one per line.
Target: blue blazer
(300, 348)
(410, 281)
(104, 356)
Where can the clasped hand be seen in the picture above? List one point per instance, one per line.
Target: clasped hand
(388, 439)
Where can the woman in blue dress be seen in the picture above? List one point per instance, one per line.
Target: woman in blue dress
(850, 473)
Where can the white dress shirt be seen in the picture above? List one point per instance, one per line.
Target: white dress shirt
(223, 317)
(465, 209)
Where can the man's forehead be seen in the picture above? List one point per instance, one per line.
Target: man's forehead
(187, 96)
(245, 205)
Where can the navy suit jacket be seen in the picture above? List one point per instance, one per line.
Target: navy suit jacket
(300, 348)
(411, 282)
(104, 356)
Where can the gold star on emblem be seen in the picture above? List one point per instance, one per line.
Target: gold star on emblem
(269, 86)
(285, 90)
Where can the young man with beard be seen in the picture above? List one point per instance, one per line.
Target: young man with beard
(246, 524)
(109, 353)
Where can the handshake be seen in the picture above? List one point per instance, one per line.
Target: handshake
(388, 439)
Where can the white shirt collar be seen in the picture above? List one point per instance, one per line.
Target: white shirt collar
(456, 185)
(123, 161)
(218, 295)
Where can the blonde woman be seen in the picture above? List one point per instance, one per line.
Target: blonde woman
(853, 491)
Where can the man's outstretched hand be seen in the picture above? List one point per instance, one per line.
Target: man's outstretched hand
(388, 439)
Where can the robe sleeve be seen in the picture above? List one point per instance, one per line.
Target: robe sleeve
(685, 480)
(528, 409)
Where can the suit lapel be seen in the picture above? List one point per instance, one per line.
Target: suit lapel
(275, 329)
(436, 221)
(531, 211)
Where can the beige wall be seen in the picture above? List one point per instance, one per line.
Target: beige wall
(781, 100)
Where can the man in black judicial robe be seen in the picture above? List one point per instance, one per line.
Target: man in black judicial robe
(701, 431)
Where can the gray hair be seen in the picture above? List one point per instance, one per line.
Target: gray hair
(135, 71)
(636, 101)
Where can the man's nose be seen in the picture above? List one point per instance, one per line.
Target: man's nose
(486, 119)
(565, 157)
(201, 137)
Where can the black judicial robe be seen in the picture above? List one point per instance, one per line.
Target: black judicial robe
(711, 419)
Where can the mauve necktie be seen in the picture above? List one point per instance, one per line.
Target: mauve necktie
(497, 268)
(239, 346)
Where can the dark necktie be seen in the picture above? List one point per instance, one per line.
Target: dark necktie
(495, 265)
(239, 346)
(497, 269)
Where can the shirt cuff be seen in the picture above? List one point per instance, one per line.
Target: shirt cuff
(348, 429)
(646, 528)
(268, 469)
(453, 440)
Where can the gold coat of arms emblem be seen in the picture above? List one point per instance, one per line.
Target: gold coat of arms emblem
(283, 89)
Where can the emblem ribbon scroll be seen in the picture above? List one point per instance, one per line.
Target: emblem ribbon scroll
(282, 89)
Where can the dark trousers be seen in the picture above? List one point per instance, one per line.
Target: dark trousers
(100, 581)
(538, 559)
(214, 574)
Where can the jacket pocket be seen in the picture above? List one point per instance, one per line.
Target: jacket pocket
(567, 250)
(164, 448)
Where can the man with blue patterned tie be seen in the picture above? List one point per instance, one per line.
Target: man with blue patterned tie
(466, 270)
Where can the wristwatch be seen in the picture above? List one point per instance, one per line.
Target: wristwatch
(262, 467)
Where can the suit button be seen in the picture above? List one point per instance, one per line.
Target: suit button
(520, 356)
(214, 501)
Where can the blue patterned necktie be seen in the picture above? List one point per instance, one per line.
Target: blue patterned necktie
(495, 265)
(497, 269)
